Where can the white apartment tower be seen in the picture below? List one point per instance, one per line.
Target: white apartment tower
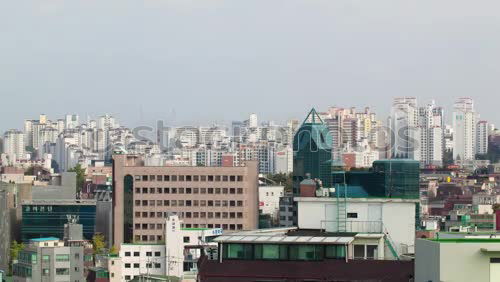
(72, 121)
(14, 145)
(464, 129)
(430, 135)
(402, 122)
(482, 134)
(253, 121)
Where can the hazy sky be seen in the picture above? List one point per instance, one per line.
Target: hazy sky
(210, 60)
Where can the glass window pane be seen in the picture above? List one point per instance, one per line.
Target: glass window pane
(371, 252)
(359, 251)
(270, 251)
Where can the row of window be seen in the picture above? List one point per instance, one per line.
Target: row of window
(218, 215)
(189, 203)
(138, 254)
(168, 190)
(282, 252)
(148, 265)
(159, 238)
(188, 178)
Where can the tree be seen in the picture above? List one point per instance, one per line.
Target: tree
(15, 248)
(113, 250)
(284, 179)
(80, 176)
(98, 244)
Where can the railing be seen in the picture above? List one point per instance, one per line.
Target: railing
(352, 226)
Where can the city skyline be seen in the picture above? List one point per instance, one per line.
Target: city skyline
(157, 58)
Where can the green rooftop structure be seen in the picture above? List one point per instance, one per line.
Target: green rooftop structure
(395, 178)
(312, 151)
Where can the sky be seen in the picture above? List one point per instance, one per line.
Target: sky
(204, 61)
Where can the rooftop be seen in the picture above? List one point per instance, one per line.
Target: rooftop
(44, 239)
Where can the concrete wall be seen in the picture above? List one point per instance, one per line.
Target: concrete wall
(448, 261)
(426, 261)
(142, 259)
(397, 216)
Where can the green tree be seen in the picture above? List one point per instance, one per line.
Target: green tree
(113, 250)
(80, 176)
(15, 248)
(284, 179)
(98, 243)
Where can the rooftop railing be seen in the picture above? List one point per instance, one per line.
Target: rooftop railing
(352, 226)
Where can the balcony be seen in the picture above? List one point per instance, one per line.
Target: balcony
(352, 226)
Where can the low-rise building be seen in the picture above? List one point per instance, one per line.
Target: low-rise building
(177, 256)
(52, 260)
(469, 258)
(301, 255)
(46, 218)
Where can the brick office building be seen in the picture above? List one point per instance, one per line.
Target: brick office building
(204, 197)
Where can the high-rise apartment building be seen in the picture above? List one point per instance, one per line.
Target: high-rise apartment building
(402, 122)
(482, 135)
(204, 197)
(429, 136)
(14, 145)
(464, 129)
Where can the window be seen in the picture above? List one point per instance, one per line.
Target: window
(136, 265)
(127, 265)
(271, 252)
(46, 272)
(359, 251)
(306, 252)
(149, 254)
(62, 271)
(335, 251)
(157, 254)
(157, 265)
(238, 251)
(136, 254)
(62, 257)
(371, 252)
(352, 215)
(186, 239)
(45, 258)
